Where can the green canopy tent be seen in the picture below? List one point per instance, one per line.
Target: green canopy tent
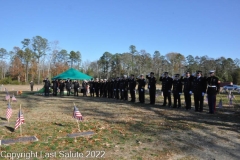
(73, 74)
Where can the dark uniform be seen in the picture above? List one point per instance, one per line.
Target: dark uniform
(76, 87)
(212, 90)
(97, 86)
(141, 89)
(46, 86)
(199, 89)
(152, 87)
(166, 89)
(132, 87)
(187, 90)
(84, 88)
(177, 91)
(125, 87)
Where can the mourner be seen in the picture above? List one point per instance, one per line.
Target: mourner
(199, 90)
(46, 87)
(187, 80)
(141, 88)
(55, 87)
(84, 88)
(177, 91)
(152, 87)
(61, 87)
(76, 87)
(166, 88)
(212, 90)
(68, 83)
(31, 85)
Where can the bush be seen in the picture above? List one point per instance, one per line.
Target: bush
(8, 80)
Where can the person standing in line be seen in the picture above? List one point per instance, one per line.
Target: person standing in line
(76, 87)
(61, 88)
(166, 88)
(141, 88)
(187, 80)
(152, 87)
(199, 90)
(177, 91)
(213, 88)
(132, 87)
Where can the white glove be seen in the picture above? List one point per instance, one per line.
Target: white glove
(122, 89)
(49, 87)
(141, 89)
(114, 89)
(78, 88)
(93, 88)
(203, 93)
(169, 91)
(190, 92)
(180, 93)
(148, 86)
(70, 87)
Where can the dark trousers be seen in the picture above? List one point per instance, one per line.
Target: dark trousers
(68, 92)
(91, 92)
(125, 92)
(31, 88)
(198, 101)
(187, 98)
(97, 92)
(75, 92)
(133, 95)
(46, 91)
(54, 91)
(141, 93)
(152, 94)
(167, 95)
(61, 92)
(211, 103)
(176, 100)
(117, 93)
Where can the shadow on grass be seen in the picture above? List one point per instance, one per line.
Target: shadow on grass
(9, 128)
(3, 118)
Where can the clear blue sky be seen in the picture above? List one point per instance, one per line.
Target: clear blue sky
(196, 27)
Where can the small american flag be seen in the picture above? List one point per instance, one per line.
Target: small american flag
(9, 111)
(13, 98)
(20, 120)
(77, 114)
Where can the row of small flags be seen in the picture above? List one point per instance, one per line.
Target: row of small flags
(20, 120)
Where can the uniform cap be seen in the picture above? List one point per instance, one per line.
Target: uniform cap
(177, 75)
(165, 72)
(211, 71)
(151, 73)
(199, 72)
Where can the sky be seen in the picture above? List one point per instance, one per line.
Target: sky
(189, 27)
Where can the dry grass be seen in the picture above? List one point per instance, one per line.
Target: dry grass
(122, 129)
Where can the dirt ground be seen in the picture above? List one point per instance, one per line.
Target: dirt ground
(176, 133)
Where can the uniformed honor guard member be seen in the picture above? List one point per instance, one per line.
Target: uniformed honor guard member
(132, 87)
(92, 87)
(125, 87)
(177, 91)
(166, 88)
(152, 87)
(212, 90)
(68, 86)
(141, 88)
(199, 90)
(187, 80)
(46, 86)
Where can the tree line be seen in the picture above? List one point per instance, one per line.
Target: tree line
(38, 58)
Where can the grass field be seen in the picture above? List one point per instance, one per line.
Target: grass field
(123, 130)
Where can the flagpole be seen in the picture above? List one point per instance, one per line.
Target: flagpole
(10, 105)
(20, 124)
(77, 120)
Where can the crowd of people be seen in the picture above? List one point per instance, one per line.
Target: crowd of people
(118, 88)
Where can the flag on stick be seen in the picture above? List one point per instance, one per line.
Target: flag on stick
(20, 119)
(9, 112)
(76, 114)
(13, 98)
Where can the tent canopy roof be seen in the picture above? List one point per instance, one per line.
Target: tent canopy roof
(73, 74)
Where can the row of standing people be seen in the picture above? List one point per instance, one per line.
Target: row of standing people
(61, 85)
